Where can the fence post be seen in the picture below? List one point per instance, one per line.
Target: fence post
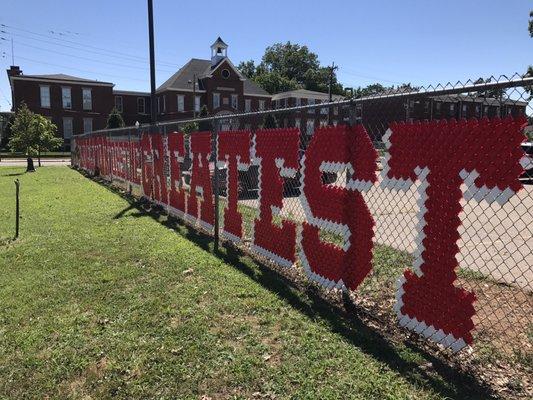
(17, 208)
(217, 197)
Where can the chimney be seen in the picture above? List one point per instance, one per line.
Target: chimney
(14, 70)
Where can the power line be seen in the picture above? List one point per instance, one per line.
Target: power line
(73, 42)
(81, 70)
(129, 58)
(85, 58)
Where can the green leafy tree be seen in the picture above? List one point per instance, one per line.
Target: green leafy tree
(289, 66)
(24, 138)
(31, 134)
(46, 132)
(270, 122)
(204, 125)
(115, 120)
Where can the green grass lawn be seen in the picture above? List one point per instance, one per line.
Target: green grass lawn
(100, 299)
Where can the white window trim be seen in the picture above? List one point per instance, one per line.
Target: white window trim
(41, 87)
(63, 97)
(143, 103)
(262, 104)
(247, 105)
(216, 104)
(236, 98)
(180, 98)
(84, 125)
(71, 127)
(121, 108)
(83, 90)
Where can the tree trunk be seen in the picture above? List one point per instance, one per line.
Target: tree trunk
(39, 157)
(30, 167)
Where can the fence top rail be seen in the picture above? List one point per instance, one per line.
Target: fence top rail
(430, 91)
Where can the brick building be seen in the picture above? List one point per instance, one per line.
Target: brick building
(74, 104)
(215, 83)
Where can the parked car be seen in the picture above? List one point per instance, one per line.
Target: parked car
(528, 167)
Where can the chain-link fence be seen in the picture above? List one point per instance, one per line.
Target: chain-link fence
(415, 202)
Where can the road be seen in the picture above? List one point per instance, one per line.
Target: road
(21, 162)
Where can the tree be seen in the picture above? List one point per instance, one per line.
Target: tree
(270, 122)
(289, 66)
(115, 119)
(32, 133)
(204, 125)
(45, 130)
(531, 23)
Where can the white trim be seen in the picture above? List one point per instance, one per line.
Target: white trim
(210, 75)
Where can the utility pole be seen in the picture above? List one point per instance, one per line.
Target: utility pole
(330, 94)
(153, 115)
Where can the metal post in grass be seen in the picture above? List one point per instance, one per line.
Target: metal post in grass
(17, 208)
(217, 197)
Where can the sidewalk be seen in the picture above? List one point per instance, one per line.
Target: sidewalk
(21, 162)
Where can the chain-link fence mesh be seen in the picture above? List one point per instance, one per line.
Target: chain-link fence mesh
(457, 199)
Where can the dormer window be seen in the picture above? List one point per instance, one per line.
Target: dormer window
(225, 73)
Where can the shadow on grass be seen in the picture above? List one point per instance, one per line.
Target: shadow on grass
(347, 319)
(14, 174)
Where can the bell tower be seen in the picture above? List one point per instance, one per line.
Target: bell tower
(219, 51)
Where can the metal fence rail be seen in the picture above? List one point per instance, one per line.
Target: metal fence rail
(414, 202)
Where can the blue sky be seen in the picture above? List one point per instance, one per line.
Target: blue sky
(423, 42)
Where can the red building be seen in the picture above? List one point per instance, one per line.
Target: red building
(74, 104)
(215, 83)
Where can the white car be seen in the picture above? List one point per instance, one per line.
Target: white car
(527, 160)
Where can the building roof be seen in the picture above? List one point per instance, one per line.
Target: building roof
(202, 68)
(219, 41)
(131, 93)
(63, 77)
(474, 98)
(306, 94)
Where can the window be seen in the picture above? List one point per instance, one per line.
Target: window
(310, 126)
(164, 103)
(478, 109)
(87, 125)
(486, 110)
(323, 123)
(216, 100)
(336, 110)
(87, 99)
(66, 97)
(197, 100)
(45, 96)
(452, 108)
(225, 74)
(247, 105)
(119, 105)
(141, 105)
(225, 101)
(464, 110)
(324, 110)
(311, 110)
(235, 101)
(284, 103)
(181, 102)
(159, 105)
(298, 102)
(261, 105)
(67, 127)
(509, 110)
(438, 105)
(297, 123)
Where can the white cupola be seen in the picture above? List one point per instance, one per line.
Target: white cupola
(219, 51)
